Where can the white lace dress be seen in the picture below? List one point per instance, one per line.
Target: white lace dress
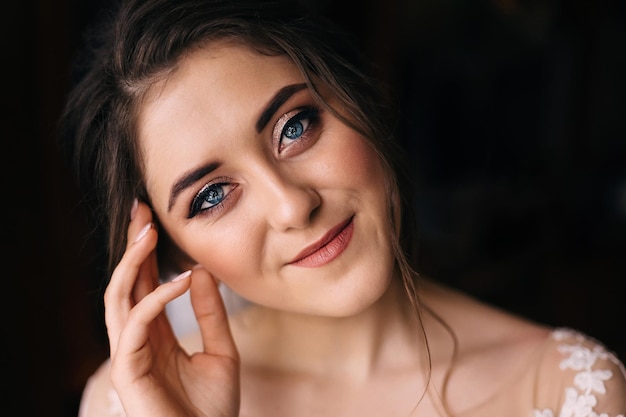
(593, 367)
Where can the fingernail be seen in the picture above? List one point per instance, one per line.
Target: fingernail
(143, 232)
(133, 209)
(182, 276)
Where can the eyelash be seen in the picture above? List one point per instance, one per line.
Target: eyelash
(309, 114)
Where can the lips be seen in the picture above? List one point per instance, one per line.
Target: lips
(329, 247)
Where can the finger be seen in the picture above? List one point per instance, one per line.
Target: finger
(135, 334)
(210, 313)
(148, 277)
(118, 297)
(142, 215)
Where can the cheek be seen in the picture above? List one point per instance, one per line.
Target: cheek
(229, 252)
(359, 164)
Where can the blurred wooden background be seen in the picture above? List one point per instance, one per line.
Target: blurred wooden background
(516, 120)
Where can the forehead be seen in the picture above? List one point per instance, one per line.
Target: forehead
(216, 90)
(218, 69)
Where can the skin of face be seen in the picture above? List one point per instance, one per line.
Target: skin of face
(269, 190)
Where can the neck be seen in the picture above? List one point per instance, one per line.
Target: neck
(384, 337)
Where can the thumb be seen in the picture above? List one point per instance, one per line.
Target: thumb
(210, 313)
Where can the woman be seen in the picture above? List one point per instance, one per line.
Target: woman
(248, 149)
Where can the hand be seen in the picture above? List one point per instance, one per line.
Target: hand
(151, 372)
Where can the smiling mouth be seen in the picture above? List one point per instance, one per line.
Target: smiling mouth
(329, 247)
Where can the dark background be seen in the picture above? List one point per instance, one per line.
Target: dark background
(515, 120)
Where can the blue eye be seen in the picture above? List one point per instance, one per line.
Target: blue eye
(210, 196)
(297, 127)
(293, 130)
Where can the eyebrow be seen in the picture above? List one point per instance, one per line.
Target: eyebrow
(188, 179)
(278, 100)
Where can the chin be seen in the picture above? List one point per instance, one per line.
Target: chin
(351, 301)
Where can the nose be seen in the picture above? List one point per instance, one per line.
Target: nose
(290, 202)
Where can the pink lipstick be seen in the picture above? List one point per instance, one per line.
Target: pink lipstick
(329, 247)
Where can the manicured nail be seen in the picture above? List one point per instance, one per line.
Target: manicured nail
(182, 276)
(133, 209)
(143, 232)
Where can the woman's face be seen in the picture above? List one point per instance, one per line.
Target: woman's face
(270, 193)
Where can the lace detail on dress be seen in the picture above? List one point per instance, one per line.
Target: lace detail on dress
(580, 400)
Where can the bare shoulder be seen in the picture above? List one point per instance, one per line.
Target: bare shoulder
(503, 355)
(480, 327)
(493, 349)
